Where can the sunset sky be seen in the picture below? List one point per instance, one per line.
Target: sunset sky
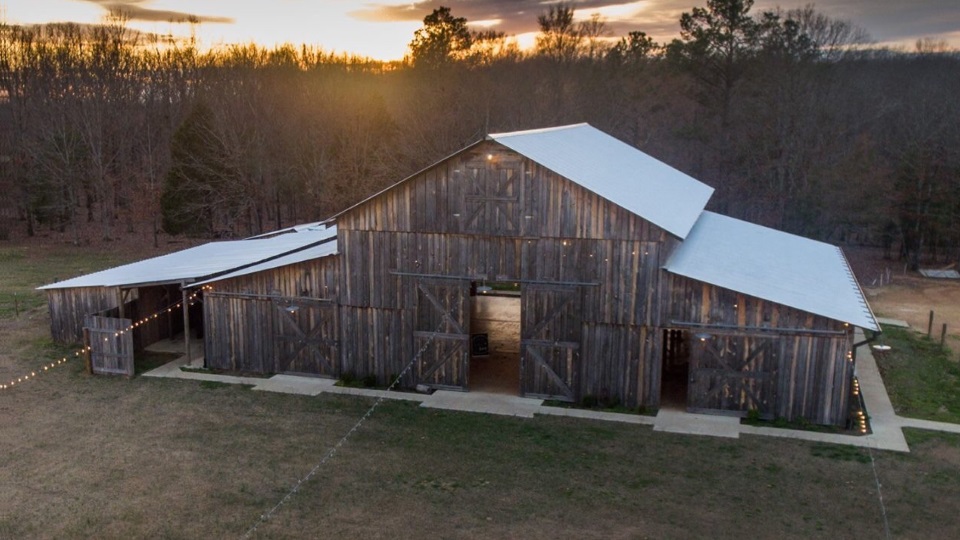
(382, 29)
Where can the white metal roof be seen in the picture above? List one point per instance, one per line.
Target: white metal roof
(316, 252)
(315, 226)
(199, 262)
(772, 265)
(617, 172)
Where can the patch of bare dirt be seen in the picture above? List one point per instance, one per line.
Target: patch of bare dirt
(909, 296)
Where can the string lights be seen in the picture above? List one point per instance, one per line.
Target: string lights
(859, 417)
(47, 367)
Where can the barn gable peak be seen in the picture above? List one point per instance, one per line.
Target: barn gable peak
(616, 171)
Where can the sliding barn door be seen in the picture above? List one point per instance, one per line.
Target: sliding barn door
(443, 333)
(550, 342)
(733, 374)
(307, 337)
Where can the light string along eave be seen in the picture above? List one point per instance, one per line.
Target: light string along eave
(47, 367)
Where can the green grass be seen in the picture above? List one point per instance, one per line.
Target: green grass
(148, 360)
(26, 268)
(110, 457)
(922, 380)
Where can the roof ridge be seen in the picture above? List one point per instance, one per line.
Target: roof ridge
(494, 136)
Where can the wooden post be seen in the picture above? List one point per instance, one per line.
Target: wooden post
(943, 335)
(930, 325)
(186, 321)
(87, 358)
(120, 302)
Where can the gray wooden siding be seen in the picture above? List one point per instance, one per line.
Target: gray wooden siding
(814, 370)
(68, 307)
(489, 214)
(243, 330)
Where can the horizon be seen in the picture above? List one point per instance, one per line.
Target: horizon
(346, 26)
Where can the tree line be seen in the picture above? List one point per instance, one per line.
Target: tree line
(789, 114)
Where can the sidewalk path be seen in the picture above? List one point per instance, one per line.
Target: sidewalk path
(887, 432)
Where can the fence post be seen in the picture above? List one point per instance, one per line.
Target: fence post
(943, 335)
(930, 325)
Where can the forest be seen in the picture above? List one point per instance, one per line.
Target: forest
(792, 116)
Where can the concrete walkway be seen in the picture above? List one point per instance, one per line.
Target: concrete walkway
(887, 432)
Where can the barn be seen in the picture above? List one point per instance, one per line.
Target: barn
(611, 283)
(558, 263)
(103, 303)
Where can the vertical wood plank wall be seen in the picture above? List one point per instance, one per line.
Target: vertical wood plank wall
(814, 375)
(240, 327)
(490, 214)
(68, 307)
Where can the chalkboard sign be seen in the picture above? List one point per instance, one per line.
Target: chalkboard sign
(479, 345)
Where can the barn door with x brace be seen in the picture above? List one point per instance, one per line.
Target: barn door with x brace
(550, 341)
(733, 374)
(306, 338)
(443, 327)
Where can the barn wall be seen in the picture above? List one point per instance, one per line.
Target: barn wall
(242, 318)
(490, 214)
(238, 333)
(68, 307)
(814, 372)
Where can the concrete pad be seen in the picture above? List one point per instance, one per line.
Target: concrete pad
(893, 322)
(674, 421)
(289, 384)
(480, 402)
(167, 370)
(597, 415)
(930, 425)
(884, 423)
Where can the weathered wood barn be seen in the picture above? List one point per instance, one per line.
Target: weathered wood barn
(623, 289)
(102, 303)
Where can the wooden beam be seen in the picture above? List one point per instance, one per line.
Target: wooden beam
(186, 320)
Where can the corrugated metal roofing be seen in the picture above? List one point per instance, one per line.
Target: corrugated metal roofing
(316, 252)
(617, 172)
(315, 226)
(772, 265)
(940, 274)
(199, 262)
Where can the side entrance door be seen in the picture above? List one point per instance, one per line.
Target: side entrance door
(550, 329)
(442, 332)
(111, 352)
(733, 374)
(307, 337)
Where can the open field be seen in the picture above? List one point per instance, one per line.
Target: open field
(115, 458)
(910, 297)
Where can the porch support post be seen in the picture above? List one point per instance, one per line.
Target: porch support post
(186, 320)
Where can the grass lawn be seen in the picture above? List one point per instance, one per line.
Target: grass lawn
(24, 268)
(921, 377)
(104, 457)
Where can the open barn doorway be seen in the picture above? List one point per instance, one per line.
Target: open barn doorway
(675, 371)
(495, 337)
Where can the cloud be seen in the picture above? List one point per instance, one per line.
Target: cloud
(657, 18)
(883, 19)
(136, 11)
